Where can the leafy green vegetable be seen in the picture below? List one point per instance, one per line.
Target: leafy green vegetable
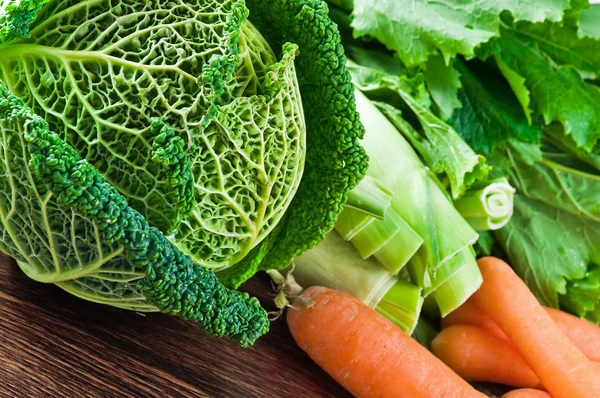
(49, 190)
(558, 92)
(583, 296)
(416, 30)
(215, 142)
(490, 114)
(335, 162)
(443, 82)
(518, 83)
(561, 43)
(558, 185)
(588, 22)
(530, 240)
(99, 86)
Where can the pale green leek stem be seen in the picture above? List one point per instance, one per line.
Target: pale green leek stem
(402, 305)
(336, 264)
(456, 290)
(488, 208)
(371, 197)
(351, 221)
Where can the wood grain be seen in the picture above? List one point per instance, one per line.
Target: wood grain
(54, 344)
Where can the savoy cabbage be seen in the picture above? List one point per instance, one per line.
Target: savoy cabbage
(146, 140)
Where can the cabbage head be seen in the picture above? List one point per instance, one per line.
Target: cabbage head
(146, 141)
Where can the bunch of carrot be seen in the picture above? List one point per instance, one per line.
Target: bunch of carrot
(502, 334)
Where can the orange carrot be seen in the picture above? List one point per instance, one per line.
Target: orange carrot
(584, 334)
(368, 354)
(476, 355)
(562, 368)
(527, 393)
(470, 314)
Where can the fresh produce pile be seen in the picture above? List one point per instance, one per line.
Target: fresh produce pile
(481, 125)
(516, 82)
(156, 155)
(512, 339)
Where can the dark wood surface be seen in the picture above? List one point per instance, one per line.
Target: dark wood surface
(54, 344)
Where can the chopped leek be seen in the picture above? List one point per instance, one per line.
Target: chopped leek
(371, 197)
(488, 208)
(351, 221)
(336, 264)
(402, 305)
(455, 291)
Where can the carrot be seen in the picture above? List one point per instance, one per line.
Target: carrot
(470, 314)
(368, 354)
(527, 393)
(584, 334)
(562, 368)
(476, 355)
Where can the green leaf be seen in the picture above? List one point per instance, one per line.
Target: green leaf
(588, 22)
(548, 247)
(558, 92)
(443, 82)
(485, 244)
(555, 134)
(417, 29)
(222, 172)
(490, 115)
(16, 18)
(560, 186)
(562, 43)
(583, 296)
(517, 84)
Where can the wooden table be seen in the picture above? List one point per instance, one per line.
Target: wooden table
(54, 344)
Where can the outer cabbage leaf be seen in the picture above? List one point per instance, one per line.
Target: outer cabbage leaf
(17, 16)
(42, 176)
(418, 29)
(52, 243)
(231, 158)
(335, 161)
(255, 161)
